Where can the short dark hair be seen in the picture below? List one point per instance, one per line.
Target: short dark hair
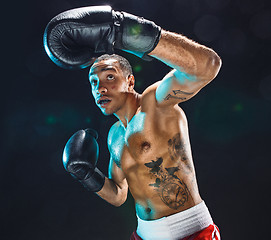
(123, 62)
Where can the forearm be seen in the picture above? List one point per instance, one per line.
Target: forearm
(187, 56)
(113, 193)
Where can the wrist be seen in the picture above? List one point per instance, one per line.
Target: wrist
(95, 181)
(135, 34)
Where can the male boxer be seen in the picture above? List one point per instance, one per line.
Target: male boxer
(149, 147)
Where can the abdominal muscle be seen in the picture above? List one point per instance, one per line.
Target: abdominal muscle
(160, 184)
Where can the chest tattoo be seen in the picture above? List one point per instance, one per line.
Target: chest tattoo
(177, 150)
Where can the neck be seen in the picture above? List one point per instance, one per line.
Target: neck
(131, 107)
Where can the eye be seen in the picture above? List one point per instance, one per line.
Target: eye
(110, 77)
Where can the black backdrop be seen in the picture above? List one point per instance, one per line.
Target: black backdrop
(44, 105)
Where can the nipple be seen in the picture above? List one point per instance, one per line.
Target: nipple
(145, 146)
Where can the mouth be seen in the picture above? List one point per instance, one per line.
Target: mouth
(103, 102)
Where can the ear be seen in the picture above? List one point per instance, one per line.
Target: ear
(131, 82)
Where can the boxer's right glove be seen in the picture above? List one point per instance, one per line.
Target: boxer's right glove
(80, 157)
(73, 39)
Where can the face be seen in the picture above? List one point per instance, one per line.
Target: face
(110, 87)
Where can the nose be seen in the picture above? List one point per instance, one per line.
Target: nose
(102, 89)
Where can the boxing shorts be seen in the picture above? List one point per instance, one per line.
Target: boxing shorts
(192, 224)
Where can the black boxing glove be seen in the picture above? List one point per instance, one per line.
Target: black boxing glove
(73, 39)
(80, 158)
(135, 34)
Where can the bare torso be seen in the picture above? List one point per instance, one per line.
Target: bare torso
(154, 154)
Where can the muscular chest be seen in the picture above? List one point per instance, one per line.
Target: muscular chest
(145, 137)
(130, 139)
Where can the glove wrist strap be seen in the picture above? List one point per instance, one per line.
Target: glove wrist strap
(95, 182)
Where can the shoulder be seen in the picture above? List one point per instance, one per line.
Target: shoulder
(151, 89)
(115, 135)
(113, 128)
(115, 142)
(148, 96)
(112, 131)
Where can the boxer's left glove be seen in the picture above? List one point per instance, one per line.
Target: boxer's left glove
(73, 39)
(80, 158)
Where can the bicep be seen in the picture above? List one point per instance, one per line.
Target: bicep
(178, 87)
(116, 174)
(115, 188)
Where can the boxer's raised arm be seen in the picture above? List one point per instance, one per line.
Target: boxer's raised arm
(194, 66)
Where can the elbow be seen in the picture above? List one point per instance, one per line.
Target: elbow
(120, 197)
(119, 202)
(209, 67)
(216, 63)
(213, 66)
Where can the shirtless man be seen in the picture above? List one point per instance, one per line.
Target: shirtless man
(149, 147)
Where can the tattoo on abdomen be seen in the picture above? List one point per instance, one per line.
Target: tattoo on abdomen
(175, 95)
(171, 189)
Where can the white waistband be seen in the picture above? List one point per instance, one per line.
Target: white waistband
(176, 226)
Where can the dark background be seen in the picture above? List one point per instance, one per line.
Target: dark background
(44, 105)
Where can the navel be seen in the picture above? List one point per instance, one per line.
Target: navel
(148, 210)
